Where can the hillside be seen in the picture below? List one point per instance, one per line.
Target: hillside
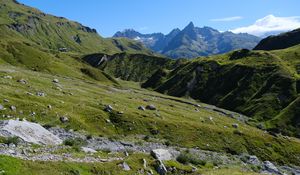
(262, 85)
(130, 67)
(192, 41)
(281, 41)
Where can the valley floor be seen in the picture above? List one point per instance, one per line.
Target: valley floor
(110, 128)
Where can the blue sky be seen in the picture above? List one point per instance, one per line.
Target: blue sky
(147, 16)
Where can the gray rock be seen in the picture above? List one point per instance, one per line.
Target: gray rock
(29, 132)
(125, 166)
(253, 160)
(235, 125)
(1, 107)
(41, 94)
(161, 168)
(270, 167)
(49, 107)
(108, 108)
(22, 81)
(7, 77)
(55, 81)
(151, 107)
(13, 108)
(29, 93)
(141, 108)
(5, 100)
(64, 119)
(88, 150)
(161, 154)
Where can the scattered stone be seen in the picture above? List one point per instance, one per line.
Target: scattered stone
(126, 153)
(125, 166)
(211, 119)
(1, 107)
(22, 81)
(120, 112)
(13, 108)
(197, 105)
(235, 125)
(194, 169)
(64, 119)
(108, 121)
(150, 107)
(5, 101)
(88, 150)
(49, 107)
(7, 77)
(253, 160)
(33, 114)
(161, 168)
(108, 108)
(55, 81)
(161, 154)
(29, 93)
(41, 94)
(141, 108)
(270, 167)
(29, 132)
(145, 163)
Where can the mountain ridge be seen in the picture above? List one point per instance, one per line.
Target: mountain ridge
(192, 41)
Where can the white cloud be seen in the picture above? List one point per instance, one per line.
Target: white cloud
(143, 28)
(270, 25)
(228, 19)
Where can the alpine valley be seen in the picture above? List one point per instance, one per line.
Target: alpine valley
(195, 101)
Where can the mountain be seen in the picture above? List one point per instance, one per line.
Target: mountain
(192, 41)
(281, 41)
(59, 114)
(262, 85)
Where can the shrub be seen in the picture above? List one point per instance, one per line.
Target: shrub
(186, 158)
(10, 140)
(74, 142)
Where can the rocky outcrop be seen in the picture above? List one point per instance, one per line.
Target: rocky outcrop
(29, 132)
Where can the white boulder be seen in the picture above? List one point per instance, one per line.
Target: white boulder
(29, 132)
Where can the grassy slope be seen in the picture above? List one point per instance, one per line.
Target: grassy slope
(259, 84)
(130, 67)
(178, 123)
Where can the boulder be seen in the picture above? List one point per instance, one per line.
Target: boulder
(55, 81)
(41, 94)
(150, 107)
(161, 168)
(161, 154)
(88, 150)
(235, 125)
(141, 108)
(7, 77)
(108, 108)
(125, 166)
(64, 119)
(22, 81)
(270, 167)
(253, 160)
(13, 108)
(29, 132)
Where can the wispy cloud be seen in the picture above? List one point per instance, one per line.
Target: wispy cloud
(143, 28)
(227, 19)
(270, 25)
